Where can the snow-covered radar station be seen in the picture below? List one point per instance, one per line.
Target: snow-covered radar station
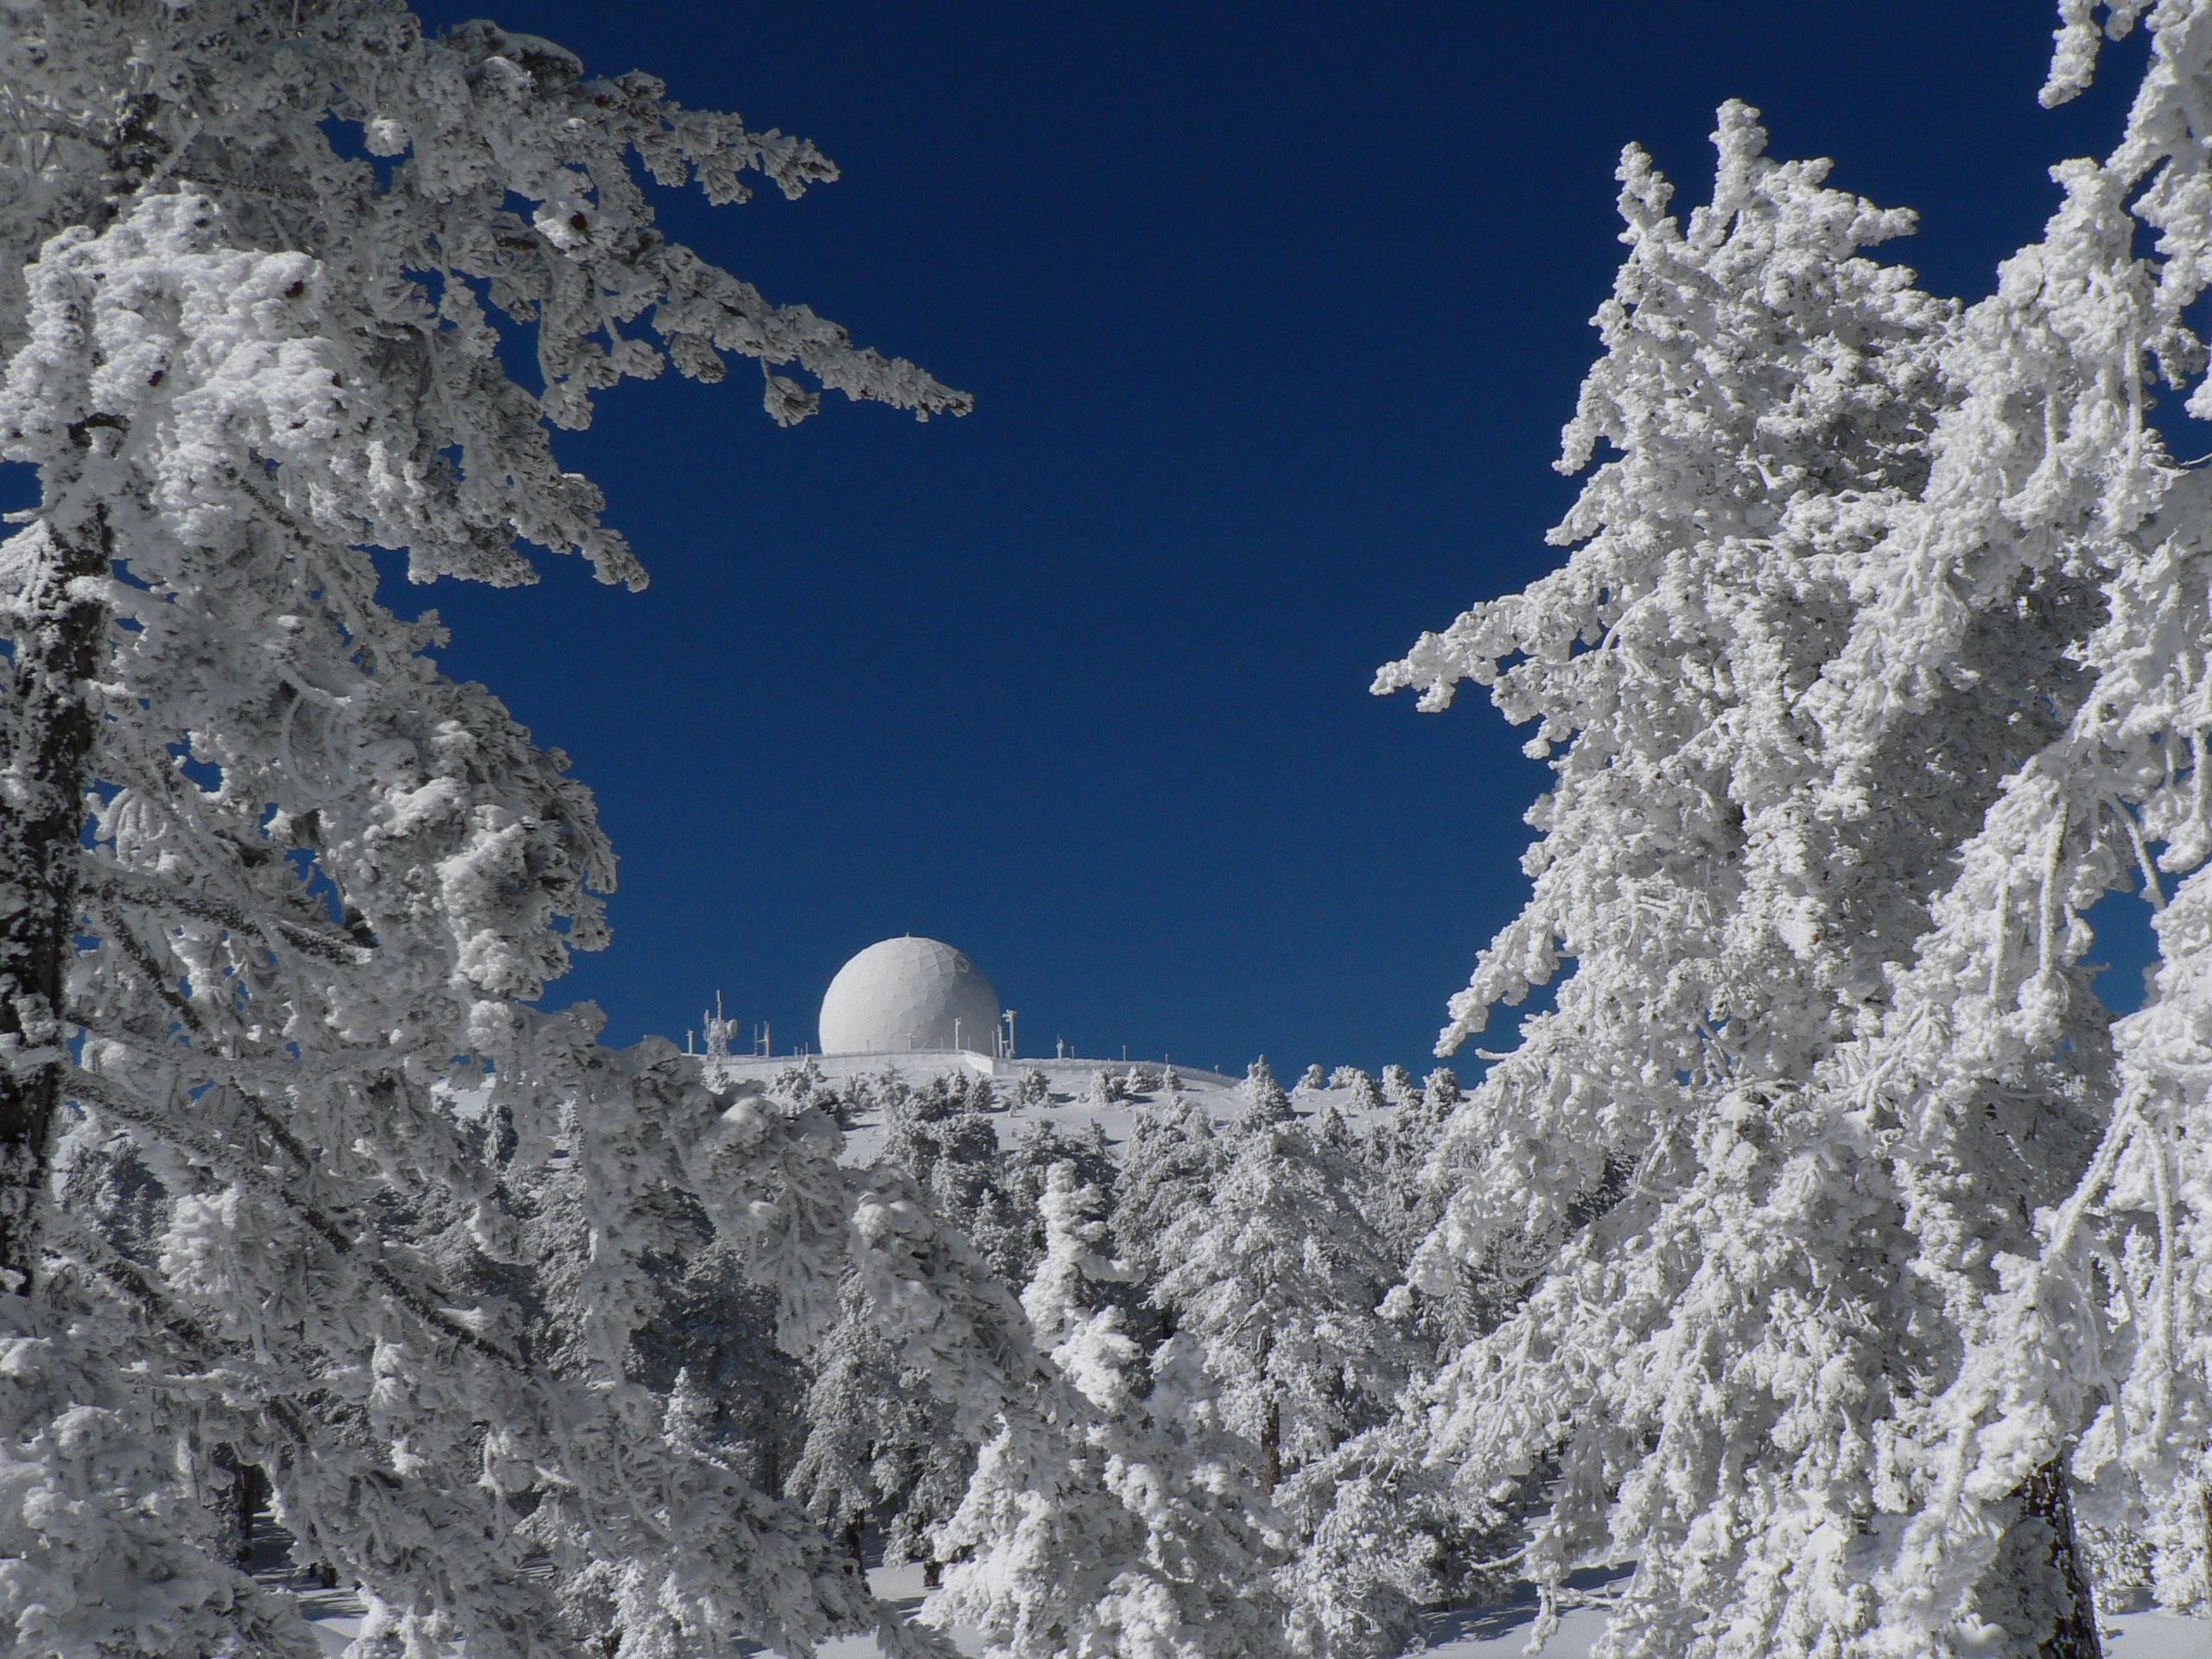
(910, 1013)
(909, 996)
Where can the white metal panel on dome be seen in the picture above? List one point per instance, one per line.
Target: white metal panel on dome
(905, 995)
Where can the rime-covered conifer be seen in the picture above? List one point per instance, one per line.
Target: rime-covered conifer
(1101, 1522)
(1825, 619)
(1264, 1100)
(280, 872)
(1168, 1167)
(1275, 1282)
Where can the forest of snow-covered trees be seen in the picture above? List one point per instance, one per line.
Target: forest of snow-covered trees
(1824, 1257)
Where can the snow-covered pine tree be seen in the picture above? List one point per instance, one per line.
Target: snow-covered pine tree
(717, 1327)
(1407, 1189)
(1275, 1282)
(1398, 1088)
(943, 1134)
(880, 1450)
(1168, 1166)
(1263, 1102)
(318, 871)
(1099, 1523)
(1823, 617)
(1381, 1535)
(1025, 1174)
(1366, 1099)
(2086, 1342)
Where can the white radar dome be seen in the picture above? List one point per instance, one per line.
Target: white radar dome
(909, 994)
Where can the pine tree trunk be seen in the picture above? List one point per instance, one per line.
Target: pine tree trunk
(1271, 1444)
(252, 1491)
(46, 733)
(2049, 1497)
(2204, 1500)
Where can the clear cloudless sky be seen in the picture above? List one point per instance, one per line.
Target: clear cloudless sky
(1272, 315)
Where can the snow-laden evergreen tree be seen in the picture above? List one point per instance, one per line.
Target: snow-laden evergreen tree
(944, 1134)
(1398, 1087)
(1099, 1522)
(1025, 1172)
(885, 1447)
(1406, 1188)
(2088, 1357)
(1381, 1535)
(1825, 619)
(880, 1451)
(1169, 1164)
(280, 872)
(1275, 1282)
(1264, 1101)
(1366, 1099)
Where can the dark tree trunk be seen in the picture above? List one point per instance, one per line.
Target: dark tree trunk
(46, 733)
(247, 1497)
(2049, 1497)
(2204, 1500)
(253, 1498)
(1271, 1444)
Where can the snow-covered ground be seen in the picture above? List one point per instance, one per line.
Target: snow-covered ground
(1463, 1633)
(1071, 1105)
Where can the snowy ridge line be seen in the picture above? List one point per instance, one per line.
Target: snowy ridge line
(930, 1061)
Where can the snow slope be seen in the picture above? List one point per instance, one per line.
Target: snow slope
(1070, 1105)
(1463, 1633)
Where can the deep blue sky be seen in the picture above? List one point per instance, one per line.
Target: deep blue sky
(1272, 315)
